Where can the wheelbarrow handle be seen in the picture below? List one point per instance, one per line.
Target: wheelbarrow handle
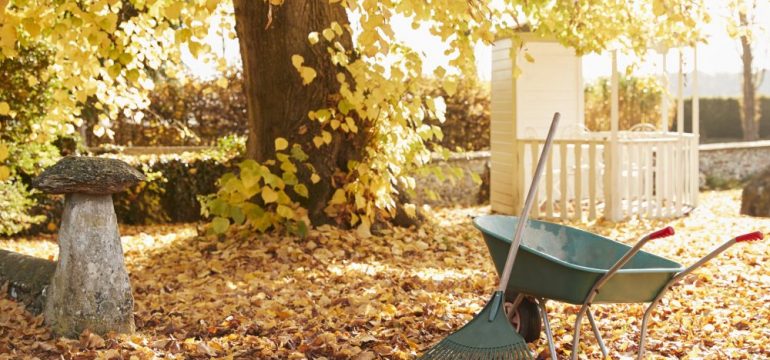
(752, 236)
(665, 232)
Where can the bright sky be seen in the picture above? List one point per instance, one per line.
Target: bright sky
(720, 55)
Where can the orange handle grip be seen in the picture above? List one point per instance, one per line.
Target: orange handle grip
(757, 235)
(665, 232)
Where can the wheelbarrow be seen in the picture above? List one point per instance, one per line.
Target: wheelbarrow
(558, 262)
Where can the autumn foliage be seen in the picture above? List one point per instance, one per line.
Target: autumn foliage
(338, 295)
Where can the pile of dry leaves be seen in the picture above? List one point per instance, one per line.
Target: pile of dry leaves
(336, 295)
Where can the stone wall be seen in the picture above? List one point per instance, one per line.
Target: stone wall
(724, 162)
(733, 161)
(464, 191)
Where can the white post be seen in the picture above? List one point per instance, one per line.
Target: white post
(680, 95)
(613, 194)
(664, 102)
(678, 177)
(695, 175)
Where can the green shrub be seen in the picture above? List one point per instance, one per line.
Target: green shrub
(467, 114)
(15, 205)
(639, 101)
(26, 135)
(190, 112)
(174, 182)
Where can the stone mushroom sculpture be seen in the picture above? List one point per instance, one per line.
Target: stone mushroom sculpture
(90, 288)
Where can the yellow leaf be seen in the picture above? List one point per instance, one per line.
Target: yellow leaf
(338, 197)
(4, 108)
(125, 58)
(297, 61)
(328, 34)
(3, 152)
(308, 74)
(31, 26)
(211, 5)
(337, 28)
(313, 37)
(450, 85)
(269, 195)
(114, 70)
(315, 178)
(5, 173)
(364, 229)
(327, 136)
(276, 2)
(99, 130)
(318, 141)
(173, 10)
(132, 75)
(301, 190)
(281, 144)
(222, 82)
(194, 47)
(285, 211)
(351, 124)
(529, 57)
(220, 225)
(410, 210)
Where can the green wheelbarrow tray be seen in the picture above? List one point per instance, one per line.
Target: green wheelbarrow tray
(557, 262)
(562, 263)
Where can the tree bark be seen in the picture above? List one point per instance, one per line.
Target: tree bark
(277, 102)
(27, 278)
(750, 111)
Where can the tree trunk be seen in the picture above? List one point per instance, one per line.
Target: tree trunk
(277, 101)
(750, 109)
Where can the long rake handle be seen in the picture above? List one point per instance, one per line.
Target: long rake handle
(506, 275)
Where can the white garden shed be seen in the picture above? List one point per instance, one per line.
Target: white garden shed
(641, 171)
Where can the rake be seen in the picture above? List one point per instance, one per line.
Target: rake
(489, 335)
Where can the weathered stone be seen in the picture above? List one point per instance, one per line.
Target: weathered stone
(90, 288)
(755, 200)
(27, 278)
(87, 175)
(463, 190)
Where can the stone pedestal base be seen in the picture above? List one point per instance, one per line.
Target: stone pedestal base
(90, 288)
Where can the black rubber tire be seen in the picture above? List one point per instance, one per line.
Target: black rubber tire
(529, 323)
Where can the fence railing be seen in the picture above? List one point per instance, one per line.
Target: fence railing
(593, 176)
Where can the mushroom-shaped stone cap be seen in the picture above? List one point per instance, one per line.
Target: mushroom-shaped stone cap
(87, 175)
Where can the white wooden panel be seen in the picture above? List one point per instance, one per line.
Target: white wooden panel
(547, 85)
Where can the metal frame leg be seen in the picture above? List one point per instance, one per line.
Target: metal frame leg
(547, 323)
(668, 231)
(596, 333)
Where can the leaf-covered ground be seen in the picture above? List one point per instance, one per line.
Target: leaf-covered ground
(335, 295)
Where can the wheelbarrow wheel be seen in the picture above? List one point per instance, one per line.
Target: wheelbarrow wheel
(525, 319)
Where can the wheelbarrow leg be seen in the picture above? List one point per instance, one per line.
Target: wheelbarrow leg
(645, 320)
(596, 333)
(668, 231)
(546, 322)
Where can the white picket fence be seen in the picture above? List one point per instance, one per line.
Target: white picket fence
(647, 174)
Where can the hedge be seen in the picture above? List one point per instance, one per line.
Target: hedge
(720, 118)
(170, 193)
